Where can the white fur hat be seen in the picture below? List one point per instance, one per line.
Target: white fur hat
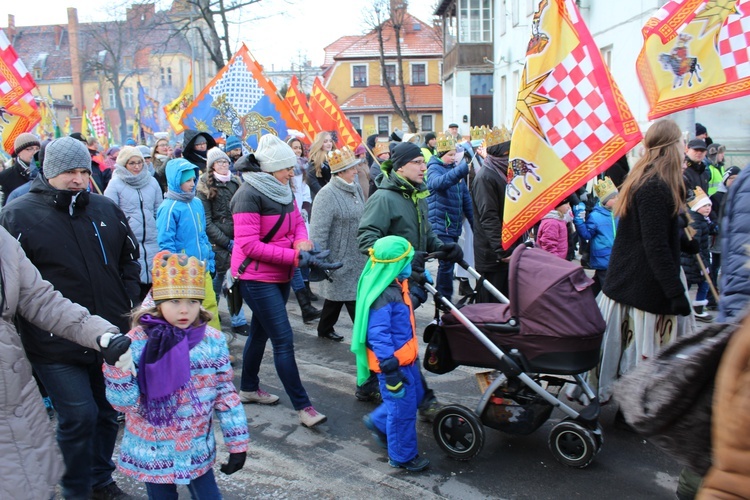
(273, 154)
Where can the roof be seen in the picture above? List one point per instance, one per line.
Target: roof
(419, 39)
(442, 7)
(375, 98)
(336, 47)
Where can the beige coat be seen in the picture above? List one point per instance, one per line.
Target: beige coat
(729, 477)
(31, 464)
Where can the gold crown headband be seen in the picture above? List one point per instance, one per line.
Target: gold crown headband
(478, 133)
(375, 260)
(496, 136)
(445, 143)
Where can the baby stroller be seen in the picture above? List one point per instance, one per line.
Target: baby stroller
(549, 333)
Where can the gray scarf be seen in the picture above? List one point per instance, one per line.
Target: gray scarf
(269, 186)
(186, 197)
(139, 181)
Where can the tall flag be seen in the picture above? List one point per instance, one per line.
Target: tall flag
(298, 101)
(695, 52)
(149, 111)
(15, 80)
(174, 109)
(21, 116)
(96, 118)
(137, 130)
(571, 121)
(241, 101)
(327, 112)
(66, 126)
(85, 126)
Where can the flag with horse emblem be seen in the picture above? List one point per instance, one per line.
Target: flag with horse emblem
(241, 101)
(695, 52)
(174, 109)
(571, 121)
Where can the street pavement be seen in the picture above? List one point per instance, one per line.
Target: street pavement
(339, 459)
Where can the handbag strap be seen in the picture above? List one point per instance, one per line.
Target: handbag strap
(265, 239)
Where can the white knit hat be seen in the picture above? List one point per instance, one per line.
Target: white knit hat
(273, 154)
(126, 153)
(213, 155)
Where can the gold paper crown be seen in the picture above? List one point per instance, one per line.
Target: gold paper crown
(381, 146)
(698, 199)
(478, 133)
(341, 159)
(496, 136)
(445, 143)
(604, 189)
(177, 276)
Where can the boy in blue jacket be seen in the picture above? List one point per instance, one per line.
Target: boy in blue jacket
(599, 229)
(384, 339)
(181, 225)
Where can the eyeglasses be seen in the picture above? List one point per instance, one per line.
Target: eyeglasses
(134, 164)
(418, 162)
(221, 162)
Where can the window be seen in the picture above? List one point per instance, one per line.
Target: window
(68, 97)
(169, 76)
(607, 55)
(503, 99)
(359, 75)
(419, 74)
(481, 84)
(127, 62)
(37, 74)
(356, 122)
(449, 33)
(390, 73)
(128, 97)
(384, 125)
(475, 21)
(426, 125)
(112, 100)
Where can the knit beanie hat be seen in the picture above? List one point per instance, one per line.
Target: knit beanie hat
(145, 151)
(403, 153)
(23, 141)
(388, 257)
(700, 129)
(199, 139)
(273, 154)
(213, 155)
(65, 154)
(429, 136)
(126, 153)
(233, 142)
(186, 176)
(733, 170)
(130, 142)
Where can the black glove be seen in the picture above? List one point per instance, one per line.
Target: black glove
(235, 463)
(118, 345)
(680, 305)
(689, 246)
(417, 262)
(452, 252)
(315, 260)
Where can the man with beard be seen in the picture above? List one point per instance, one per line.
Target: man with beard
(233, 149)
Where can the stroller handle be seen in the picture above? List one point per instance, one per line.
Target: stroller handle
(473, 272)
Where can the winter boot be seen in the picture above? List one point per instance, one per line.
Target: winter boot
(313, 297)
(699, 313)
(309, 313)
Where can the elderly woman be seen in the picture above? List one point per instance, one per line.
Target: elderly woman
(138, 195)
(336, 214)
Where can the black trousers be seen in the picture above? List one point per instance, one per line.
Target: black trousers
(330, 314)
(498, 279)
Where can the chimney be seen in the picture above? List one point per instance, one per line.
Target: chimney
(75, 61)
(398, 9)
(11, 30)
(58, 36)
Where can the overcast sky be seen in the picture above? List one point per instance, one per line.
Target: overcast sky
(286, 30)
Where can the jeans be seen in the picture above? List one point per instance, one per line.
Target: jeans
(298, 281)
(268, 301)
(201, 488)
(86, 425)
(237, 319)
(702, 292)
(330, 314)
(445, 272)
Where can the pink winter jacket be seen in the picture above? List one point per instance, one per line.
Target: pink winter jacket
(553, 235)
(254, 216)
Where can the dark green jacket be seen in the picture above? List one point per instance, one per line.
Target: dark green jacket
(397, 208)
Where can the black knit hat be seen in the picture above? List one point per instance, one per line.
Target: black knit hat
(429, 136)
(403, 153)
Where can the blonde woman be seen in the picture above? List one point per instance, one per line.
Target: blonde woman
(318, 171)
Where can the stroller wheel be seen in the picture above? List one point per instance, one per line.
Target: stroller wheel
(573, 444)
(458, 432)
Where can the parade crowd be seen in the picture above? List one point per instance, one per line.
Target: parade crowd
(113, 263)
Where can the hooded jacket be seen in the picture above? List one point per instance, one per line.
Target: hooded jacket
(553, 234)
(32, 464)
(735, 231)
(181, 225)
(89, 254)
(599, 229)
(397, 208)
(219, 222)
(449, 201)
(197, 158)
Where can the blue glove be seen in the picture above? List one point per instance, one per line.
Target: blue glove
(579, 211)
(428, 277)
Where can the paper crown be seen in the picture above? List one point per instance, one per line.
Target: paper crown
(445, 143)
(496, 136)
(605, 189)
(341, 159)
(381, 146)
(177, 276)
(478, 133)
(699, 199)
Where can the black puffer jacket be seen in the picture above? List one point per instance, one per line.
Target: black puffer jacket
(693, 175)
(197, 158)
(219, 222)
(90, 257)
(703, 233)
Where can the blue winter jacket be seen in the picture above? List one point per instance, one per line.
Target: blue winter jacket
(735, 233)
(449, 200)
(599, 229)
(182, 225)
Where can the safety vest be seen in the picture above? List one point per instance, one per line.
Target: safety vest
(407, 353)
(717, 174)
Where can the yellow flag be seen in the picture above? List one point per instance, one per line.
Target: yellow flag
(174, 109)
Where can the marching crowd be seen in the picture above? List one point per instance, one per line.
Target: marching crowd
(110, 290)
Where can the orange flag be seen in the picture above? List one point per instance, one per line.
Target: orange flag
(20, 117)
(327, 112)
(298, 102)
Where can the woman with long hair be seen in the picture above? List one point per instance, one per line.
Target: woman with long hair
(318, 171)
(160, 155)
(645, 292)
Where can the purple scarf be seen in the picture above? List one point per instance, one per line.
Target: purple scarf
(165, 367)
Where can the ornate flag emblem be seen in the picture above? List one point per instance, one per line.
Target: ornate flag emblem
(149, 111)
(327, 112)
(174, 109)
